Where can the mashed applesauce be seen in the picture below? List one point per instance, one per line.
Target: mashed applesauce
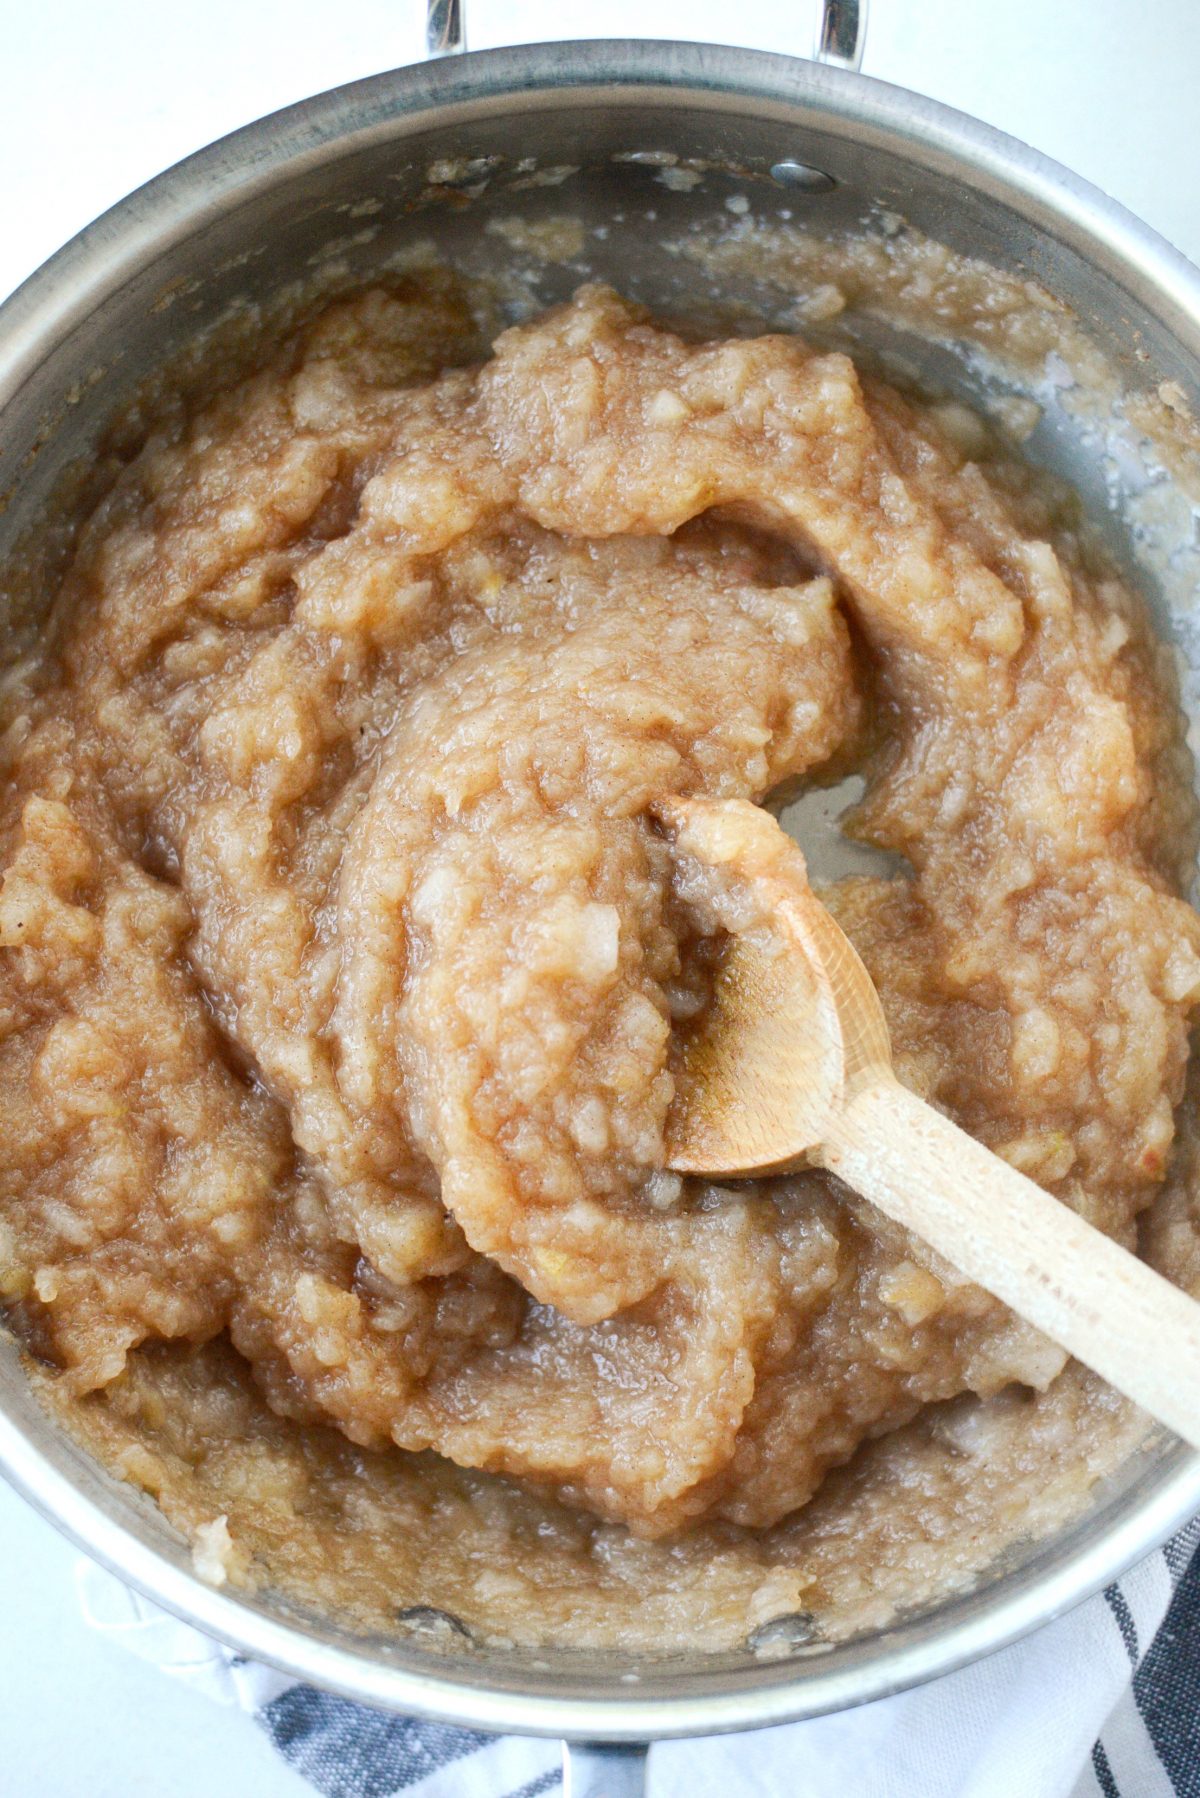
(340, 961)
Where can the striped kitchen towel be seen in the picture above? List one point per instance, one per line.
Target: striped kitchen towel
(1102, 1703)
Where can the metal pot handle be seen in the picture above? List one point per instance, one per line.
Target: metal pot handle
(841, 33)
(604, 1769)
(445, 28)
(618, 1769)
(840, 36)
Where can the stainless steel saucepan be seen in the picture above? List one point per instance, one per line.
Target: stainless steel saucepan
(348, 179)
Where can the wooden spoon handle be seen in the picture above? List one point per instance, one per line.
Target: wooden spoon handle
(1092, 1297)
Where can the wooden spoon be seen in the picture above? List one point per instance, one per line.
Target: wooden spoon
(791, 1067)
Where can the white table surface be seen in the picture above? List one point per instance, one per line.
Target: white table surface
(93, 101)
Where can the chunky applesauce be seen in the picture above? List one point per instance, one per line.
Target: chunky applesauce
(340, 961)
